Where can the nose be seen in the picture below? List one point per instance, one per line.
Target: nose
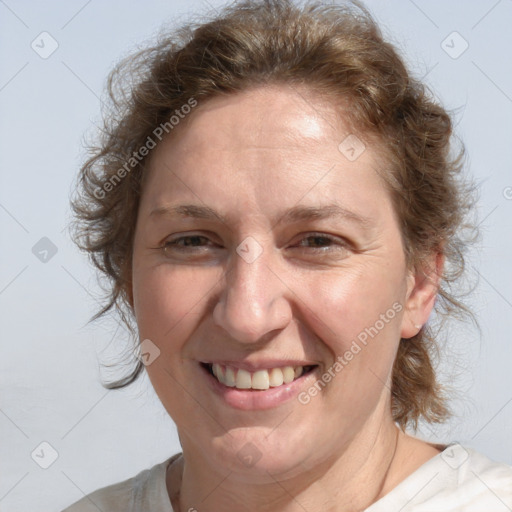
(254, 301)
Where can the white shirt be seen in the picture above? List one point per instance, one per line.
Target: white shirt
(458, 479)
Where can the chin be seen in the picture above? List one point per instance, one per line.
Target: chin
(257, 457)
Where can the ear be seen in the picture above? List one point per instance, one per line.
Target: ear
(422, 288)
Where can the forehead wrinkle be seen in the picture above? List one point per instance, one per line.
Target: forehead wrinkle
(293, 215)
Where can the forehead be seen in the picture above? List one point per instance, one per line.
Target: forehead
(266, 145)
(275, 116)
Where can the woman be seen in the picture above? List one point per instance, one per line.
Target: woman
(277, 209)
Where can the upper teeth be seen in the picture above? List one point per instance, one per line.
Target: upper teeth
(260, 379)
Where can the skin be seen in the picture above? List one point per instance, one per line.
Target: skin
(251, 157)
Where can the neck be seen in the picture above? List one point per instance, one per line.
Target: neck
(351, 481)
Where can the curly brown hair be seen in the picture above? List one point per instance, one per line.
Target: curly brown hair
(337, 50)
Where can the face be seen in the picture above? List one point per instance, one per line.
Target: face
(267, 254)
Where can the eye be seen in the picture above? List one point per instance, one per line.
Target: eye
(319, 247)
(187, 246)
(188, 241)
(322, 242)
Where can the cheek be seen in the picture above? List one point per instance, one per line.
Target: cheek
(359, 324)
(166, 301)
(357, 315)
(348, 304)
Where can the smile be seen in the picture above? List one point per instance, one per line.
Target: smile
(259, 380)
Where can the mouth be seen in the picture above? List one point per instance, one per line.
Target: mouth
(259, 380)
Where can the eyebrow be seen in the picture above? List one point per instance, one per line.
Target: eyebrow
(296, 214)
(188, 210)
(304, 213)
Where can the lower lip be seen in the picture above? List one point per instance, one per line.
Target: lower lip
(252, 400)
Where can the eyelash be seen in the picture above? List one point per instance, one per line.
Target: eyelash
(334, 241)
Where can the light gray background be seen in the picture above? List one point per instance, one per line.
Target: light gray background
(49, 364)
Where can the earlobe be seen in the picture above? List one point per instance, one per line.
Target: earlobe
(421, 296)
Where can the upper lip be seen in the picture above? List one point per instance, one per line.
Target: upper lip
(252, 366)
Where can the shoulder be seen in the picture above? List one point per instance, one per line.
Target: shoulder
(146, 489)
(480, 478)
(457, 479)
